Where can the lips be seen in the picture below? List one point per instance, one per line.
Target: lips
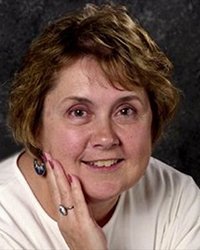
(102, 163)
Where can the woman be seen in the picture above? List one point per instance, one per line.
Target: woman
(90, 101)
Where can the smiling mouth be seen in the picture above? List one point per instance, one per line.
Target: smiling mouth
(103, 163)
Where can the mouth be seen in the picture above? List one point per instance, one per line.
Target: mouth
(103, 163)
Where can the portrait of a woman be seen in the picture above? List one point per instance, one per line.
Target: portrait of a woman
(91, 99)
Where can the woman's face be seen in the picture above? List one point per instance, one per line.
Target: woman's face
(99, 133)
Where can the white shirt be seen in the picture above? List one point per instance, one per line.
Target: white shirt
(162, 211)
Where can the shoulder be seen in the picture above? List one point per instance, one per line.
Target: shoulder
(167, 176)
(164, 187)
(170, 182)
(177, 199)
(8, 169)
(164, 205)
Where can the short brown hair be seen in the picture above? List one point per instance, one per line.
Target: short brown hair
(124, 50)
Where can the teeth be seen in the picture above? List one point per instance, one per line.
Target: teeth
(103, 163)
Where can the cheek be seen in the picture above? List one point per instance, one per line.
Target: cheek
(138, 141)
(62, 142)
(138, 135)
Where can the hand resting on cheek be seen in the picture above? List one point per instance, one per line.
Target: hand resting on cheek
(78, 227)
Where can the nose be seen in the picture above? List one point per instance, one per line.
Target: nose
(104, 136)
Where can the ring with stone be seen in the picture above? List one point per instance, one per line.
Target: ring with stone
(64, 210)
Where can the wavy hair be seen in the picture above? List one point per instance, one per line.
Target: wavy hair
(124, 50)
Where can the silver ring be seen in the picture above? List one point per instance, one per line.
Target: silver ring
(64, 210)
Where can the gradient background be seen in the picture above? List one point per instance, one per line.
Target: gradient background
(174, 24)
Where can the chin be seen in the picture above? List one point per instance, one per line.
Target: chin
(102, 192)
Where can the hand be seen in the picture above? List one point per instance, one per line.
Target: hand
(79, 229)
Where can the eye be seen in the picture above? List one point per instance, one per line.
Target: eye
(127, 111)
(78, 113)
(126, 114)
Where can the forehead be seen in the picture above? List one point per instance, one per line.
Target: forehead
(84, 80)
(84, 69)
(87, 70)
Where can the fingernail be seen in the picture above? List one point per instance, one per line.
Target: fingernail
(47, 156)
(51, 164)
(44, 159)
(69, 178)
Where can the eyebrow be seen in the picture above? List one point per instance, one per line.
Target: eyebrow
(121, 99)
(130, 98)
(78, 99)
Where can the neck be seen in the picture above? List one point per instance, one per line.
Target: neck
(102, 211)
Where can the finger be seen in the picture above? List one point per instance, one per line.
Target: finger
(71, 194)
(79, 198)
(57, 180)
(63, 183)
(69, 189)
(53, 183)
(60, 177)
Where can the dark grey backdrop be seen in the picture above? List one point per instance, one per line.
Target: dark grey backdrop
(174, 24)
